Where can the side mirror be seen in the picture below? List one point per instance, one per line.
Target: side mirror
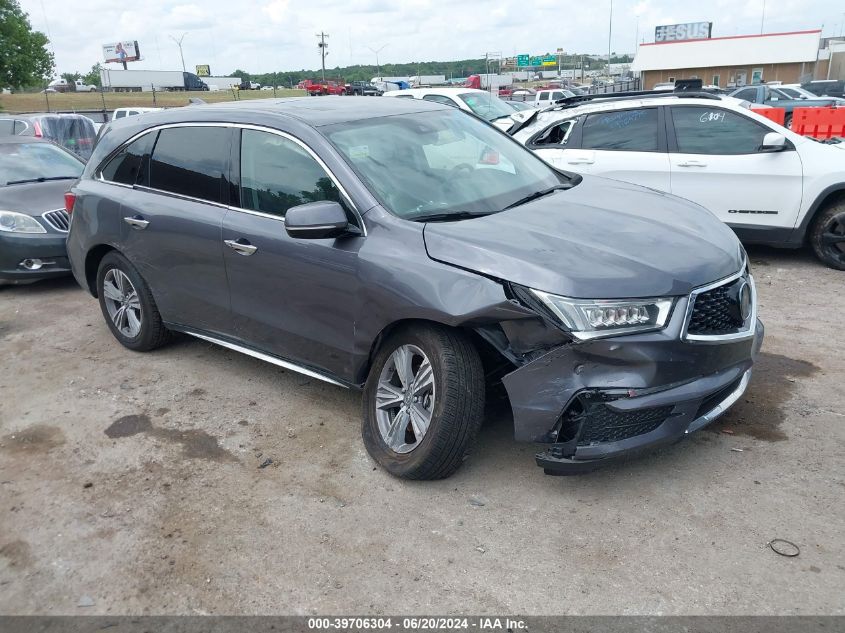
(773, 142)
(318, 220)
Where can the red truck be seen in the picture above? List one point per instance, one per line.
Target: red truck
(317, 88)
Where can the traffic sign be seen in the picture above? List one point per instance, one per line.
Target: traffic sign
(522, 60)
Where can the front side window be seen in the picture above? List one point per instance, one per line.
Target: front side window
(129, 166)
(191, 161)
(700, 130)
(440, 162)
(440, 99)
(30, 162)
(277, 174)
(555, 135)
(624, 131)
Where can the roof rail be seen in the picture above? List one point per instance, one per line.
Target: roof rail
(573, 102)
(634, 94)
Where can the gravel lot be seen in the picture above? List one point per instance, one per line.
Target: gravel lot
(131, 484)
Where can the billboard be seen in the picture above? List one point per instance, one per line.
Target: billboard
(121, 52)
(203, 70)
(681, 32)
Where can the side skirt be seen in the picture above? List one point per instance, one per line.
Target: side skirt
(269, 358)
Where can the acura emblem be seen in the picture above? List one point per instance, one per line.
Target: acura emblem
(744, 298)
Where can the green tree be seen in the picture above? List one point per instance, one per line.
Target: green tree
(70, 77)
(24, 58)
(93, 77)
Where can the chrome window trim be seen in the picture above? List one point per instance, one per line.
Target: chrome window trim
(267, 358)
(748, 330)
(98, 174)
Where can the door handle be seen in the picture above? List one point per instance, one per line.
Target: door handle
(137, 222)
(692, 163)
(581, 161)
(242, 247)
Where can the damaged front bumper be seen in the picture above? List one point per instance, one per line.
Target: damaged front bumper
(596, 400)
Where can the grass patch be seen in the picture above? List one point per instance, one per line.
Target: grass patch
(37, 102)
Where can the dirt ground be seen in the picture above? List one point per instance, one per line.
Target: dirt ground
(131, 484)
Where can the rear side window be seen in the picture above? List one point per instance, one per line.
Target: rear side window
(130, 165)
(555, 135)
(715, 131)
(191, 161)
(626, 130)
(120, 114)
(440, 99)
(277, 174)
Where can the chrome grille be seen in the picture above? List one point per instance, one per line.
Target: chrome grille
(58, 219)
(725, 310)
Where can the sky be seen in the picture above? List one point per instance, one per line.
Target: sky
(267, 35)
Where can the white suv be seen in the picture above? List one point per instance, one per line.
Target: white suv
(770, 185)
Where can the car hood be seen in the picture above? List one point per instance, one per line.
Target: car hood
(602, 239)
(34, 198)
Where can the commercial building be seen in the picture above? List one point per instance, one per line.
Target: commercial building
(733, 61)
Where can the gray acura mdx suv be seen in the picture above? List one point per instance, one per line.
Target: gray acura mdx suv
(413, 251)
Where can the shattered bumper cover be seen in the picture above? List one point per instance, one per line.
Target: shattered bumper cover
(597, 400)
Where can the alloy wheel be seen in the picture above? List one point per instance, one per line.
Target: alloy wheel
(405, 398)
(833, 237)
(122, 302)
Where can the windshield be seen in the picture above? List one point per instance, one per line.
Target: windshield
(33, 161)
(486, 105)
(440, 162)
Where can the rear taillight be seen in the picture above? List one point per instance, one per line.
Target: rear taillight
(37, 129)
(70, 200)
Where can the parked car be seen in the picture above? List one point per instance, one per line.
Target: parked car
(479, 102)
(63, 85)
(777, 98)
(74, 132)
(547, 97)
(381, 259)
(664, 86)
(770, 185)
(523, 94)
(826, 88)
(363, 88)
(34, 175)
(120, 113)
(317, 89)
(797, 92)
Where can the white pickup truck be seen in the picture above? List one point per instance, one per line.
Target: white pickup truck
(63, 85)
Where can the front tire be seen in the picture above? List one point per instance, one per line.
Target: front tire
(827, 235)
(128, 305)
(423, 402)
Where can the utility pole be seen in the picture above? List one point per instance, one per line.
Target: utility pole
(179, 44)
(609, 35)
(376, 51)
(763, 17)
(323, 46)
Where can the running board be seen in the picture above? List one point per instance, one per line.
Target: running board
(267, 358)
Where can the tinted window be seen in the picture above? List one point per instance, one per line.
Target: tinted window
(119, 114)
(749, 94)
(127, 165)
(191, 161)
(627, 130)
(277, 174)
(715, 131)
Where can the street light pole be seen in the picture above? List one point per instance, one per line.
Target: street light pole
(376, 51)
(179, 44)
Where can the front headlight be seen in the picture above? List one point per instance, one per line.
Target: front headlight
(594, 318)
(13, 222)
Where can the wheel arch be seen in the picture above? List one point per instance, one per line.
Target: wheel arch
(92, 264)
(485, 350)
(828, 196)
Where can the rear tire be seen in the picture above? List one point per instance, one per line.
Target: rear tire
(787, 122)
(120, 287)
(827, 235)
(454, 402)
